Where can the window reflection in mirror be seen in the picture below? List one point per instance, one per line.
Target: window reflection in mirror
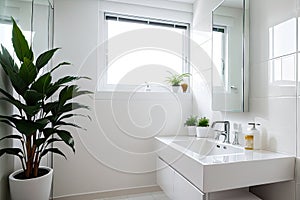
(229, 53)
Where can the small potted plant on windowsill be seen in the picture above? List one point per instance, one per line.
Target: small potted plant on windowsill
(191, 123)
(176, 79)
(202, 127)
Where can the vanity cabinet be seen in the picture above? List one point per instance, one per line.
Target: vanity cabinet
(175, 186)
(186, 171)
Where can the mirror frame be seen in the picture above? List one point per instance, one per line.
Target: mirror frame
(245, 60)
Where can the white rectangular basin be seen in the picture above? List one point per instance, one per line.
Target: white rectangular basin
(208, 147)
(213, 167)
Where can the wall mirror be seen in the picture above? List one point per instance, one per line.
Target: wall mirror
(230, 22)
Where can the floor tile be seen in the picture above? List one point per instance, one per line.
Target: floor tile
(143, 196)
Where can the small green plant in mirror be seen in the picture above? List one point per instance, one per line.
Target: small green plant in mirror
(191, 121)
(203, 122)
(176, 79)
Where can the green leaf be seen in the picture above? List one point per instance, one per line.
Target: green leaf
(48, 132)
(42, 123)
(14, 102)
(52, 140)
(51, 107)
(17, 137)
(53, 150)
(20, 44)
(26, 127)
(66, 94)
(42, 84)
(7, 61)
(32, 97)
(54, 87)
(29, 110)
(18, 84)
(12, 151)
(70, 92)
(44, 58)
(32, 110)
(62, 123)
(60, 64)
(12, 71)
(67, 138)
(51, 90)
(28, 71)
(40, 142)
(7, 94)
(72, 106)
(72, 115)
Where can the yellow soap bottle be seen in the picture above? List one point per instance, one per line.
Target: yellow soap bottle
(249, 142)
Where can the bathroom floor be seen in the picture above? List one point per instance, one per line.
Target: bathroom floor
(144, 196)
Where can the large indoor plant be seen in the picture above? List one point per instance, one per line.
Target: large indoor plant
(44, 109)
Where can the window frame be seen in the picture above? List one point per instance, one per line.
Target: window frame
(103, 53)
(224, 30)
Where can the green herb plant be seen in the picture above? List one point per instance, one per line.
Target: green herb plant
(203, 122)
(191, 121)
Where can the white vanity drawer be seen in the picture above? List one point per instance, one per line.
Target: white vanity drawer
(175, 186)
(184, 190)
(165, 177)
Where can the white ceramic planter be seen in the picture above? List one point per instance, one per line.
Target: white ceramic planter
(31, 189)
(202, 132)
(191, 130)
(176, 88)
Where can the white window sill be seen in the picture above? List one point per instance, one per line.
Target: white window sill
(127, 95)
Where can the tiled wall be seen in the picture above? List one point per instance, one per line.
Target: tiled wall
(273, 80)
(273, 67)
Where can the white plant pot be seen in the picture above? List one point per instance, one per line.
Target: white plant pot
(202, 132)
(31, 189)
(175, 89)
(191, 130)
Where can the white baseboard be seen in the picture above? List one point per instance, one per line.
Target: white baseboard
(106, 194)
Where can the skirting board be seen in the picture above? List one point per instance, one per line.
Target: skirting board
(106, 194)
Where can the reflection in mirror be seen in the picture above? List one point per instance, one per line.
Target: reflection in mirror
(37, 28)
(34, 18)
(230, 59)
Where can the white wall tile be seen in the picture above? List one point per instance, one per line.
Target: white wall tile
(275, 78)
(278, 122)
(282, 38)
(266, 15)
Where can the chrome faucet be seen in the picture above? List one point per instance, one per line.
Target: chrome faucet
(226, 131)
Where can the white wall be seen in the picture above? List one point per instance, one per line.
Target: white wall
(117, 151)
(272, 103)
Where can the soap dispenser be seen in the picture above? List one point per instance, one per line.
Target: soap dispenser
(253, 139)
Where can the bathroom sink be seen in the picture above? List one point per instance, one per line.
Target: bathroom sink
(215, 166)
(208, 147)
